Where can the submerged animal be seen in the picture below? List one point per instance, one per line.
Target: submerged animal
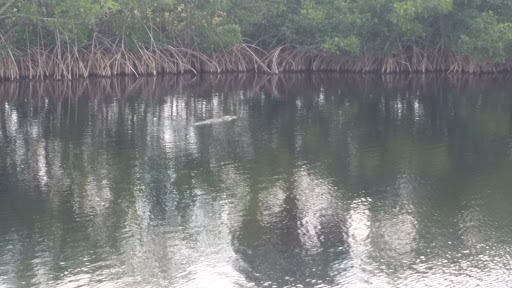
(215, 120)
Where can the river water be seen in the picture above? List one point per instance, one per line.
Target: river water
(320, 181)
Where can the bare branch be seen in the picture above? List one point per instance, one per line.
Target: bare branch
(6, 6)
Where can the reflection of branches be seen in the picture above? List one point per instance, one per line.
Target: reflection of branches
(295, 84)
(138, 154)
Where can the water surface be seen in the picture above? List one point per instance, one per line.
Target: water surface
(321, 181)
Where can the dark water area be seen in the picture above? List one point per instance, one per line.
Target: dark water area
(322, 180)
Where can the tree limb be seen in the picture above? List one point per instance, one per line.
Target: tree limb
(6, 6)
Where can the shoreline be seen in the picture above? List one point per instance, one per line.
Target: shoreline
(124, 87)
(82, 63)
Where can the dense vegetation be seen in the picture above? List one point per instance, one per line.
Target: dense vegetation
(75, 38)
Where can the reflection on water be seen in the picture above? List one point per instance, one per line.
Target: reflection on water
(321, 181)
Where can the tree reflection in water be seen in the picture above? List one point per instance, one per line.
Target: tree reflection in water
(322, 180)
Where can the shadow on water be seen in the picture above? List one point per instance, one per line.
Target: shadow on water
(323, 180)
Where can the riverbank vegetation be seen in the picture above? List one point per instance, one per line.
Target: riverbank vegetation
(64, 39)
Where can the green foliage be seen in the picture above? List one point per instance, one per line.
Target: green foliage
(222, 38)
(350, 45)
(479, 29)
(409, 17)
(332, 25)
(486, 39)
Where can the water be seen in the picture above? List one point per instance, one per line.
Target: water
(320, 181)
